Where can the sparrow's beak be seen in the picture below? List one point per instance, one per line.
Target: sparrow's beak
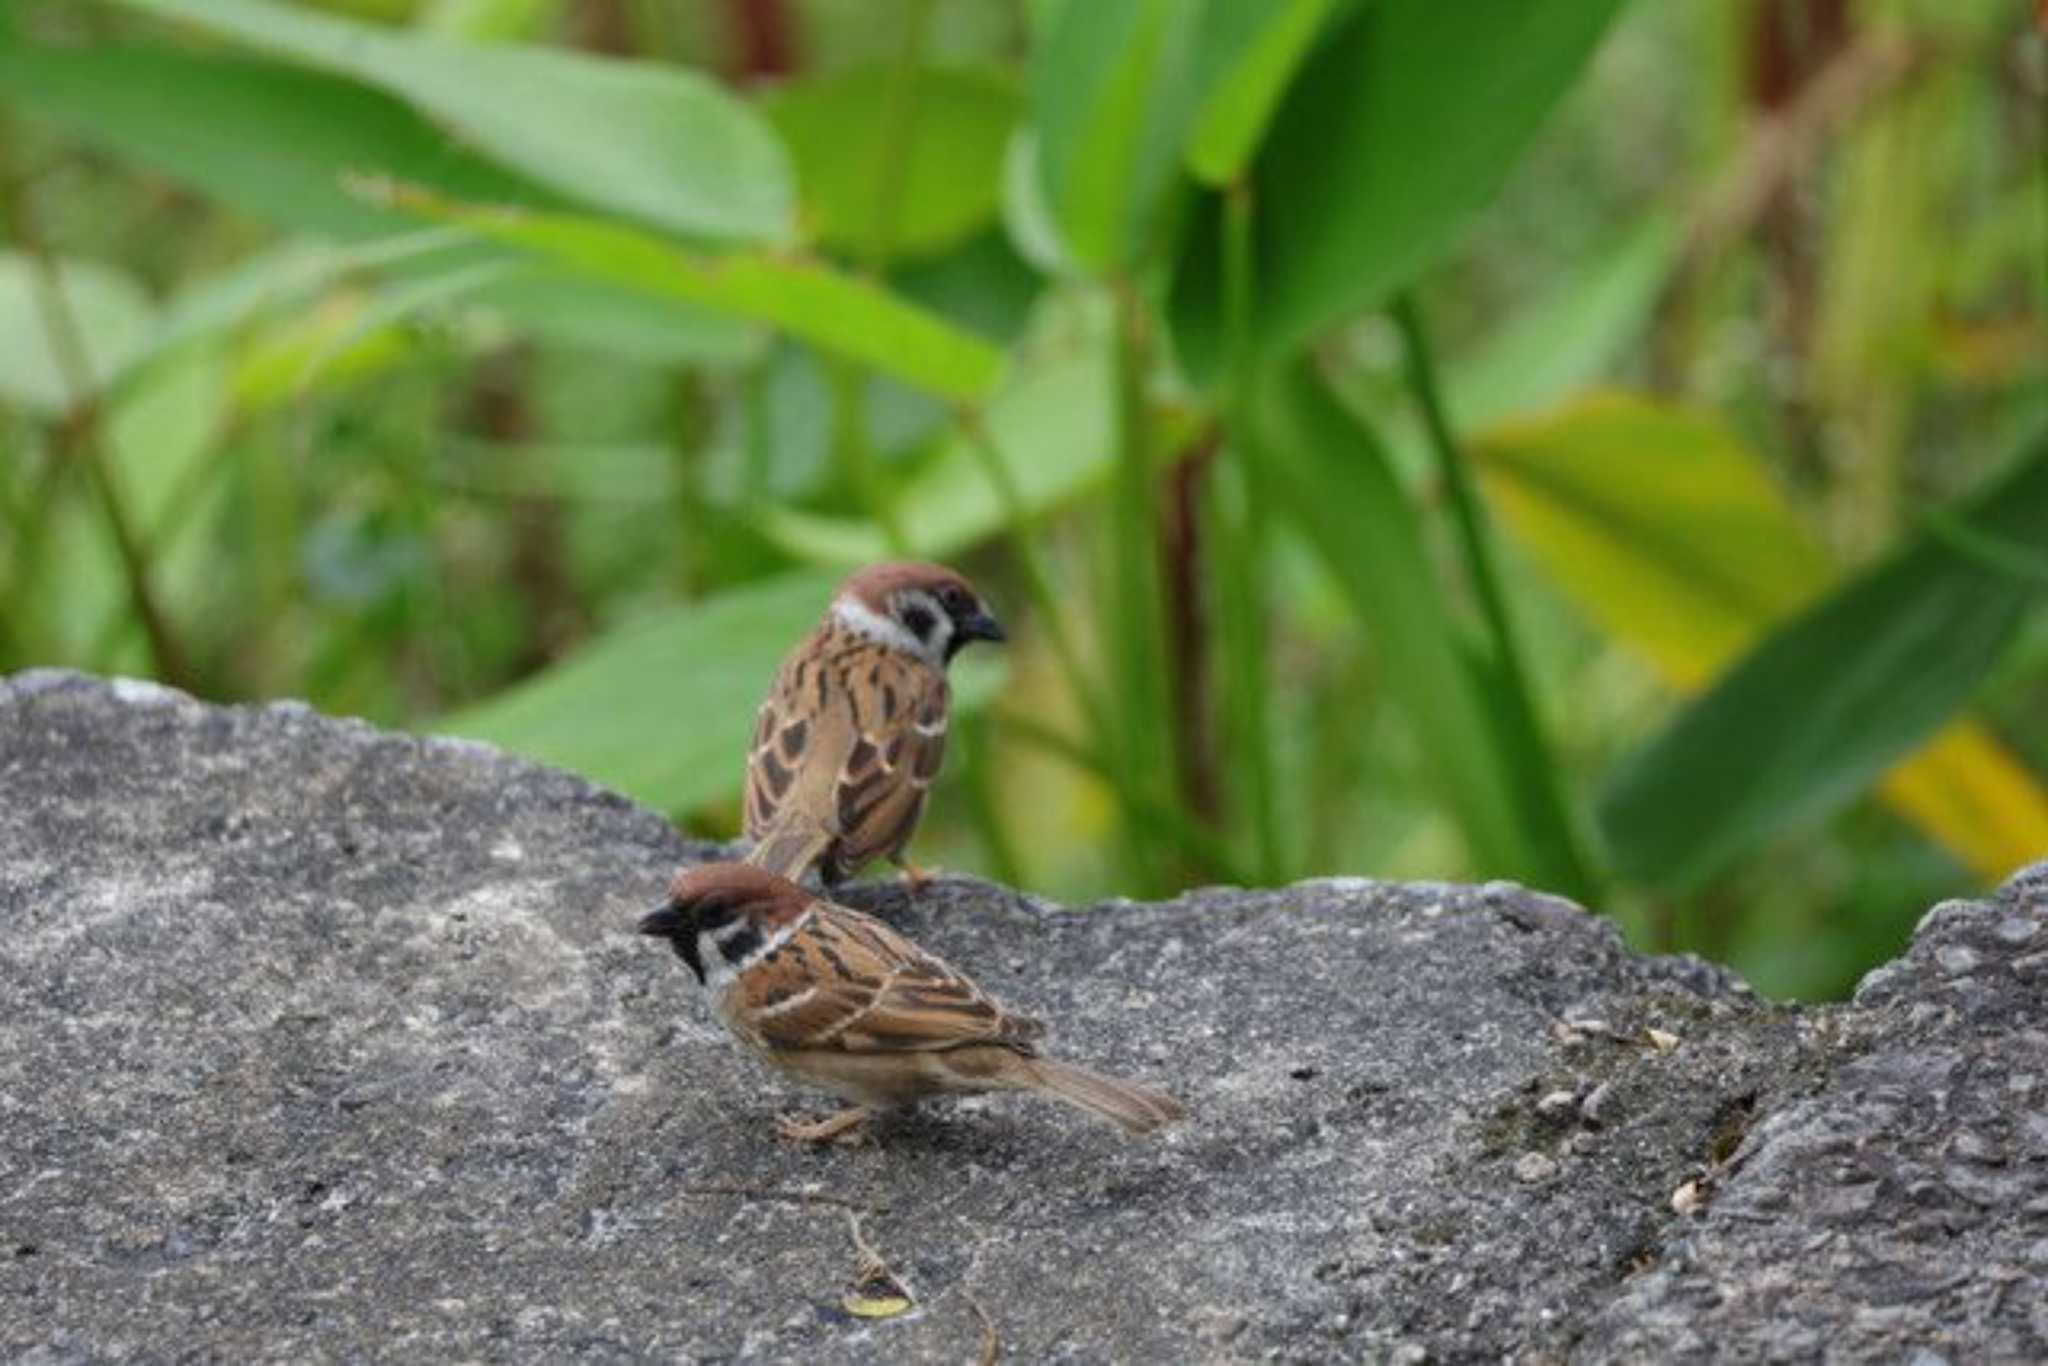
(982, 626)
(666, 919)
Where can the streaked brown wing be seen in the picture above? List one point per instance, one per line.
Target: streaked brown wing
(849, 982)
(901, 710)
(801, 735)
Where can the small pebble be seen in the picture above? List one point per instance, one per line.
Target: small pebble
(1408, 1354)
(1662, 1040)
(1585, 1144)
(1599, 1106)
(1955, 958)
(2015, 929)
(1555, 1106)
(1533, 1167)
(1975, 1147)
(1689, 1198)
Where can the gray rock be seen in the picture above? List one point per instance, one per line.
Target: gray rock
(321, 1042)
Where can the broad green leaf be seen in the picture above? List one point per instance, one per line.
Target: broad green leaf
(1053, 431)
(1399, 126)
(657, 143)
(327, 347)
(1810, 717)
(573, 310)
(660, 709)
(1574, 335)
(1665, 530)
(860, 194)
(1330, 477)
(277, 278)
(190, 116)
(1110, 98)
(106, 309)
(1658, 522)
(488, 20)
(1244, 57)
(812, 302)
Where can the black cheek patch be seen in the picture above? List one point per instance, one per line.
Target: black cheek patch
(919, 622)
(740, 947)
(686, 949)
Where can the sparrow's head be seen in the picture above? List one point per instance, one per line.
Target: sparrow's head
(924, 609)
(721, 917)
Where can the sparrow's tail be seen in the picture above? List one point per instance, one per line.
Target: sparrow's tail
(791, 847)
(1133, 1108)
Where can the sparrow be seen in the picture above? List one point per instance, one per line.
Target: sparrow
(839, 1001)
(851, 734)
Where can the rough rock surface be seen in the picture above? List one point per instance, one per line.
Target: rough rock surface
(318, 1042)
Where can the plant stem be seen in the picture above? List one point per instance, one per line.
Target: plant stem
(1144, 810)
(1136, 643)
(1037, 582)
(1540, 785)
(1242, 597)
(1184, 548)
(979, 784)
(78, 435)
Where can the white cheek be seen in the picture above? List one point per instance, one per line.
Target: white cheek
(863, 620)
(717, 972)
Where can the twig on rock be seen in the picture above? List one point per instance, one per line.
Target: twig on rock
(991, 1345)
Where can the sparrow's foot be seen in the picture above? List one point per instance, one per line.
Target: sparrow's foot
(916, 879)
(848, 1127)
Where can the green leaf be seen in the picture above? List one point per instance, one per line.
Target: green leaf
(1398, 128)
(190, 117)
(1657, 520)
(1668, 533)
(661, 709)
(1813, 715)
(657, 143)
(489, 20)
(1573, 335)
(1331, 478)
(1052, 429)
(944, 187)
(573, 310)
(111, 314)
(1244, 57)
(1110, 97)
(810, 301)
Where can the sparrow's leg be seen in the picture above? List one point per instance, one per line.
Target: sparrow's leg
(844, 1127)
(915, 879)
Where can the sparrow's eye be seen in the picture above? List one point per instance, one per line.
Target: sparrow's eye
(956, 602)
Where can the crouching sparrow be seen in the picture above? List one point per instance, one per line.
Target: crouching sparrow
(852, 732)
(839, 1001)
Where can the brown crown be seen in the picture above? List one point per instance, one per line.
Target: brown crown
(872, 586)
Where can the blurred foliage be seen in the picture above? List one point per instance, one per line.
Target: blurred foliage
(1597, 444)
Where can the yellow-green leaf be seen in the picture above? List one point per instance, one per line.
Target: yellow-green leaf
(805, 298)
(1666, 531)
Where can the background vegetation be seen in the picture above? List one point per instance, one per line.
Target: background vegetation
(1598, 444)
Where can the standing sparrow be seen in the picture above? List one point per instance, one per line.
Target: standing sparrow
(838, 1000)
(852, 732)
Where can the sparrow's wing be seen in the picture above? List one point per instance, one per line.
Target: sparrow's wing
(847, 982)
(802, 735)
(900, 711)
